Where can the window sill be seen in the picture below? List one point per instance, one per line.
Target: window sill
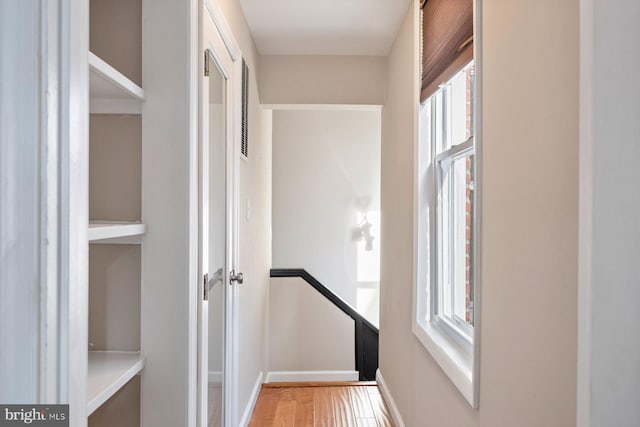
(455, 361)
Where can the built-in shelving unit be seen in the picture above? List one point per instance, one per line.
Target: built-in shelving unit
(108, 372)
(115, 230)
(124, 232)
(110, 91)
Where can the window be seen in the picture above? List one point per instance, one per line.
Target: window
(445, 314)
(451, 141)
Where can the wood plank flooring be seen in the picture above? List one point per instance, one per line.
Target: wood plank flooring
(318, 405)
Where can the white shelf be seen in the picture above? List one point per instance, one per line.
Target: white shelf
(110, 91)
(115, 232)
(108, 372)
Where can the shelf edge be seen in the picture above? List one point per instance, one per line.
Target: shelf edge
(131, 232)
(106, 71)
(115, 386)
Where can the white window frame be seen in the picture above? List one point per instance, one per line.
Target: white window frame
(459, 331)
(455, 349)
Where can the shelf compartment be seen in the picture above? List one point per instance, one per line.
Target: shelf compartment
(108, 372)
(123, 232)
(110, 91)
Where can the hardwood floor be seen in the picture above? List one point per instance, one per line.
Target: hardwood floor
(318, 405)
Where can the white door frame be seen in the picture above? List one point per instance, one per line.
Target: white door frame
(227, 56)
(50, 135)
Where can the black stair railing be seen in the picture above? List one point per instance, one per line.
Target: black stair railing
(366, 335)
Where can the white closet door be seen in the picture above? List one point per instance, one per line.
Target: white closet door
(217, 235)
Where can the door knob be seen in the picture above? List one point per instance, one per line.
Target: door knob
(238, 278)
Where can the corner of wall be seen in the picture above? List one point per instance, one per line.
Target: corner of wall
(388, 398)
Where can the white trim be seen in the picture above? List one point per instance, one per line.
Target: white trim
(453, 359)
(478, 190)
(223, 29)
(32, 252)
(306, 376)
(420, 245)
(585, 216)
(388, 399)
(324, 107)
(251, 404)
(193, 212)
(235, 96)
(73, 202)
(51, 371)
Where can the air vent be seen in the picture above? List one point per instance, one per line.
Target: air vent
(244, 148)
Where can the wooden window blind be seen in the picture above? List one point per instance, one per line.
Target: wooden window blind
(447, 41)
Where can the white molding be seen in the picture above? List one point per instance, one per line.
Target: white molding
(234, 137)
(454, 361)
(251, 404)
(306, 376)
(477, 220)
(52, 312)
(324, 107)
(73, 202)
(223, 29)
(193, 354)
(29, 216)
(388, 398)
(585, 215)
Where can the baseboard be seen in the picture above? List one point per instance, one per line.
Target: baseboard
(391, 404)
(306, 376)
(215, 377)
(251, 404)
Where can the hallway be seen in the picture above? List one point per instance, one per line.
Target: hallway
(233, 213)
(321, 404)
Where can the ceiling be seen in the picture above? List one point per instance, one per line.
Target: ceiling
(324, 27)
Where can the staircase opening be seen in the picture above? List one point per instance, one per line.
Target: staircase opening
(325, 236)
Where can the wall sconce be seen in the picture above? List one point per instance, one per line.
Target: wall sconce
(363, 233)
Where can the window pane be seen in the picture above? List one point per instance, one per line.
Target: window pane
(460, 101)
(456, 239)
(426, 129)
(439, 121)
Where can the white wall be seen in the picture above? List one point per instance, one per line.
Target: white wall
(610, 208)
(306, 331)
(326, 170)
(304, 79)
(529, 229)
(169, 146)
(255, 221)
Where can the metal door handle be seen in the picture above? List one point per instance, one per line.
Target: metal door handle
(209, 284)
(238, 278)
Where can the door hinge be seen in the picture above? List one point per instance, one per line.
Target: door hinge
(205, 291)
(207, 60)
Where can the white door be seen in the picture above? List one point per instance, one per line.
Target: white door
(217, 234)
